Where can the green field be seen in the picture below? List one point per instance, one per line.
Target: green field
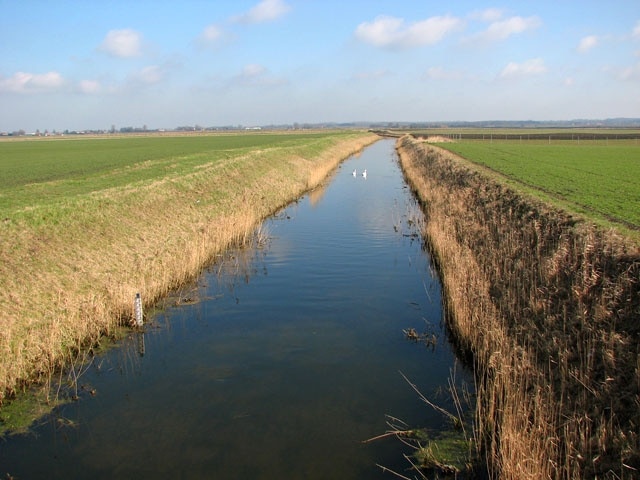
(41, 171)
(600, 179)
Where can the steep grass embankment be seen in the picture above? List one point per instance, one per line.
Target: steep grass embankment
(549, 306)
(70, 267)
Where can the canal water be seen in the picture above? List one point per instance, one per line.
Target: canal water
(279, 362)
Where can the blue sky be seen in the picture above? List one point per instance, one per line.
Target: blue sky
(93, 64)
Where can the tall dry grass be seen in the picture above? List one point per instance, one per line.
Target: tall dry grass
(549, 306)
(71, 276)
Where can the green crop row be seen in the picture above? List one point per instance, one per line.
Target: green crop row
(600, 180)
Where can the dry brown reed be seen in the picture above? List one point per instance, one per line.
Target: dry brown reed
(68, 281)
(549, 307)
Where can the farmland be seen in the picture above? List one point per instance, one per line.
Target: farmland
(597, 178)
(44, 171)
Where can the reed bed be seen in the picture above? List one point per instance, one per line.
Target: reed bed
(71, 269)
(548, 306)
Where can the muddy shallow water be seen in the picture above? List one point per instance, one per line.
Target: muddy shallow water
(278, 362)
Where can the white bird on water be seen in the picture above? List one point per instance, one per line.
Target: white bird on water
(355, 173)
(364, 174)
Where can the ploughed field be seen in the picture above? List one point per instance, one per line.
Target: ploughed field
(598, 178)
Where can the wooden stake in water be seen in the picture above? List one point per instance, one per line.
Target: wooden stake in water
(138, 310)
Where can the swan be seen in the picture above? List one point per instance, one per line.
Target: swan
(355, 173)
(364, 174)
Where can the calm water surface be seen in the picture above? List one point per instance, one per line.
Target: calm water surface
(278, 363)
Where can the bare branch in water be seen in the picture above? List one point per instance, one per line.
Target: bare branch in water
(385, 470)
(450, 416)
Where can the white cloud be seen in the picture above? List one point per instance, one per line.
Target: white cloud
(254, 74)
(488, 15)
(265, 11)
(212, 33)
(213, 36)
(252, 70)
(569, 82)
(89, 86)
(392, 32)
(135, 81)
(370, 75)
(534, 66)
(440, 73)
(150, 75)
(24, 82)
(630, 74)
(122, 43)
(502, 29)
(587, 43)
(636, 30)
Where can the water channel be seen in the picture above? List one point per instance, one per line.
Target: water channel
(278, 362)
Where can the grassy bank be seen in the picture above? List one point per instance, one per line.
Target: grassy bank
(87, 224)
(548, 305)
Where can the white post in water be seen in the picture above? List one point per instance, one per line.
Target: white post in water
(138, 310)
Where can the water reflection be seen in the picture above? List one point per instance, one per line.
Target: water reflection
(140, 339)
(315, 195)
(279, 361)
